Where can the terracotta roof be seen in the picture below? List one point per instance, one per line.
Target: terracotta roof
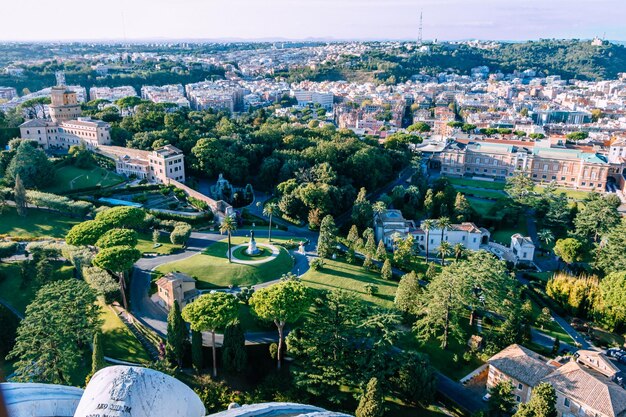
(589, 388)
(521, 364)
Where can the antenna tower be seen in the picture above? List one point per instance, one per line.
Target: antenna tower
(419, 34)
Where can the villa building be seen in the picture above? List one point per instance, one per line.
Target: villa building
(522, 247)
(587, 385)
(176, 286)
(160, 166)
(66, 128)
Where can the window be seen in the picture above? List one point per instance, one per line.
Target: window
(518, 398)
(519, 386)
(566, 402)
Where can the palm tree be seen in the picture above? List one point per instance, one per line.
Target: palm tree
(269, 210)
(427, 225)
(228, 226)
(546, 236)
(443, 223)
(444, 250)
(379, 207)
(459, 249)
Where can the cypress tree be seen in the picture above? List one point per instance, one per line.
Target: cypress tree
(196, 350)
(372, 403)
(386, 272)
(381, 251)
(176, 335)
(234, 356)
(19, 193)
(97, 355)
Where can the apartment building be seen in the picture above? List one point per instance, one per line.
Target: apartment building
(174, 93)
(7, 93)
(112, 93)
(66, 128)
(306, 97)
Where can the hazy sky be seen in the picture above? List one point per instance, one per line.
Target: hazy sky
(301, 19)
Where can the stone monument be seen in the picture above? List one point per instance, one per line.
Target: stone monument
(252, 249)
(124, 391)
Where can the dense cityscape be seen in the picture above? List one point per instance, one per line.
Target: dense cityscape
(313, 228)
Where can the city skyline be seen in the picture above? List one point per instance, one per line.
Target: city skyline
(317, 19)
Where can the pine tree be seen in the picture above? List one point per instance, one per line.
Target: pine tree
(372, 403)
(196, 351)
(386, 272)
(19, 193)
(353, 236)
(462, 208)
(370, 245)
(176, 335)
(327, 237)
(97, 356)
(381, 251)
(234, 356)
(367, 262)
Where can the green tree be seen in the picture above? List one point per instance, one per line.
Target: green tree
(501, 402)
(353, 236)
(362, 211)
(546, 236)
(58, 327)
(408, 293)
(462, 208)
(197, 358)
(420, 127)
(609, 255)
(211, 312)
(31, 164)
(327, 238)
(234, 356)
(381, 251)
(19, 196)
(280, 303)
(415, 381)
(597, 217)
(122, 217)
(118, 260)
(100, 281)
(569, 249)
(521, 188)
(228, 226)
(458, 251)
(269, 211)
(176, 335)
(404, 250)
(372, 403)
(544, 318)
(86, 233)
(542, 403)
(386, 271)
(443, 223)
(117, 237)
(613, 293)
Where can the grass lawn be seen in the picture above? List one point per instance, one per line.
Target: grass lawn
(119, 342)
(466, 182)
(145, 245)
(18, 297)
(490, 194)
(503, 236)
(577, 195)
(481, 206)
(36, 224)
(341, 275)
(606, 339)
(551, 329)
(70, 178)
(212, 269)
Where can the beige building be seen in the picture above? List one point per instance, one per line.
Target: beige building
(66, 128)
(586, 385)
(160, 166)
(176, 286)
(567, 167)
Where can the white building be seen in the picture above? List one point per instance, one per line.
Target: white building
(66, 128)
(391, 224)
(165, 94)
(466, 233)
(112, 94)
(7, 93)
(522, 247)
(306, 97)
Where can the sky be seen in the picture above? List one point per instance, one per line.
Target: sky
(310, 19)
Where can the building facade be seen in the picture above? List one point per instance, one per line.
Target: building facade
(176, 286)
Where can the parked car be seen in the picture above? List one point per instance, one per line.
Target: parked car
(486, 397)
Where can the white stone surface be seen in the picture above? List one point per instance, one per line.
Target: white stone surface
(278, 410)
(125, 391)
(40, 400)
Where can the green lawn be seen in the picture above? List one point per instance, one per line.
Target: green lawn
(36, 224)
(553, 328)
(490, 194)
(11, 291)
(212, 269)
(503, 236)
(482, 207)
(70, 178)
(341, 275)
(145, 245)
(577, 195)
(119, 342)
(466, 182)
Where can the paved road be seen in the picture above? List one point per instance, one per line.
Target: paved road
(457, 393)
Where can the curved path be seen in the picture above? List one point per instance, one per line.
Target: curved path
(273, 255)
(155, 317)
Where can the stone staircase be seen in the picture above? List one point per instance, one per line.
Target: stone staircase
(133, 325)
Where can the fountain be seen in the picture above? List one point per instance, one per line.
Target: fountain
(252, 249)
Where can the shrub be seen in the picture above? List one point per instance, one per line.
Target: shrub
(7, 249)
(273, 351)
(371, 289)
(180, 234)
(317, 264)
